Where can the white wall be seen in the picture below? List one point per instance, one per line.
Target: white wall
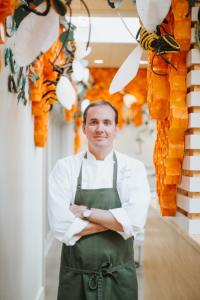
(21, 202)
(67, 139)
(130, 141)
(60, 144)
(139, 142)
(52, 154)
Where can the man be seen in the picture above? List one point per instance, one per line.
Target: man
(98, 202)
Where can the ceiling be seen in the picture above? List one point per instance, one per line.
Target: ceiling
(113, 54)
(101, 8)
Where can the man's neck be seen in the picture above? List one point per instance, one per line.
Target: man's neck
(100, 154)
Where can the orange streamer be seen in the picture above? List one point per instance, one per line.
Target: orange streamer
(166, 100)
(43, 92)
(7, 8)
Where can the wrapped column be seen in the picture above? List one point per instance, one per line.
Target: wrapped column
(188, 192)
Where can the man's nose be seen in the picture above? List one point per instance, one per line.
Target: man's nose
(100, 127)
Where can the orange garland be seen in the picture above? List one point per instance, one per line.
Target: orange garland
(41, 102)
(7, 8)
(166, 100)
(78, 124)
(69, 114)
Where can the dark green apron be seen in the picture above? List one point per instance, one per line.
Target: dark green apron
(99, 266)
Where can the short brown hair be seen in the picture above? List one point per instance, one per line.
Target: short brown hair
(100, 103)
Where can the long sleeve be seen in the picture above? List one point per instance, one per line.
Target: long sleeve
(62, 221)
(135, 197)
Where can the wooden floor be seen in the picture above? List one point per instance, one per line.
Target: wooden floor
(171, 261)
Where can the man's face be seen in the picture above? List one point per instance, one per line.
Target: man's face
(100, 128)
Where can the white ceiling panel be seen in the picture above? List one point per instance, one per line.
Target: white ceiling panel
(114, 51)
(113, 55)
(101, 8)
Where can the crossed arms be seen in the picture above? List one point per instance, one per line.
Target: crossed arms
(100, 220)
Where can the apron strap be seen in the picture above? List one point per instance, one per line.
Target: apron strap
(79, 181)
(95, 278)
(115, 171)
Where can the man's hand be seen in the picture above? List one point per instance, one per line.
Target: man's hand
(77, 210)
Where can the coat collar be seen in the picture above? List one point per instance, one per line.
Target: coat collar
(109, 156)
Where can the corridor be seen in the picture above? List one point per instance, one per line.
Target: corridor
(58, 58)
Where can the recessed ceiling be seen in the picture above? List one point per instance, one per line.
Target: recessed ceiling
(101, 8)
(113, 54)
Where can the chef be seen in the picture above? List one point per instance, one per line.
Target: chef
(98, 202)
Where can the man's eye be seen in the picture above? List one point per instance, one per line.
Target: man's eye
(107, 123)
(93, 122)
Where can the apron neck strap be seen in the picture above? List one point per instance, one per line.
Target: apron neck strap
(115, 171)
(79, 181)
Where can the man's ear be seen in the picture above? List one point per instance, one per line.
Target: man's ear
(83, 128)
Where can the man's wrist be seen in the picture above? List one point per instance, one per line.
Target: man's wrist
(86, 213)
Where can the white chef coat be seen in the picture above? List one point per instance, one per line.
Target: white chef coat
(132, 186)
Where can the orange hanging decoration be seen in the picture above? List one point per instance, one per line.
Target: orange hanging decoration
(41, 130)
(77, 141)
(78, 124)
(182, 23)
(36, 89)
(2, 34)
(171, 125)
(137, 114)
(43, 92)
(7, 8)
(50, 75)
(69, 114)
(158, 95)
